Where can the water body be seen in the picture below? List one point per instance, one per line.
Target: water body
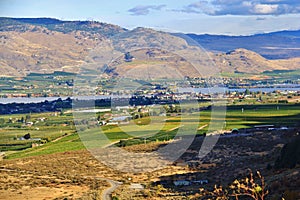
(28, 99)
(180, 90)
(42, 99)
(224, 89)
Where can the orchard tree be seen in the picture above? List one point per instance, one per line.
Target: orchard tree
(26, 136)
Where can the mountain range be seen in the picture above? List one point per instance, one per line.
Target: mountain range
(45, 45)
(276, 45)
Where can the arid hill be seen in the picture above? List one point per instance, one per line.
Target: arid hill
(245, 61)
(45, 45)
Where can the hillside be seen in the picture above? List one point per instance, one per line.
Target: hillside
(245, 61)
(47, 45)
(44, 45)
(158, 55)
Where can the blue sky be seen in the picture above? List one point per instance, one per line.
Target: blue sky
(231, 17)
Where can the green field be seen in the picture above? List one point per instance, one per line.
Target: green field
(60, 134)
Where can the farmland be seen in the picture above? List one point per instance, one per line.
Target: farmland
(63, 169)
(58, 132)
(59, 166)
(177, 116)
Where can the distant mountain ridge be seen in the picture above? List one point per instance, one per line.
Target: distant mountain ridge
(45, 45)
(23, 24)
(275, 45)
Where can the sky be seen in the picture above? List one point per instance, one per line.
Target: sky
(227, 17)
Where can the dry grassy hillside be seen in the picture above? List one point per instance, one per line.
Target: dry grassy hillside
(242, 60)
(43, 51)
(47, 45)
(292, 63)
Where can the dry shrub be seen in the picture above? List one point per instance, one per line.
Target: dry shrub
(290, 195)
(239, 189)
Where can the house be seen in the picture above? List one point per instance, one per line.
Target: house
(102, 123)
(181, 183)
(35, 145)
(42, 119)
(263, 127)
(112, 123)
(136, 186)
(29, 123)
(30, 139)
(123, 108)
(120, 119)
(201, 182)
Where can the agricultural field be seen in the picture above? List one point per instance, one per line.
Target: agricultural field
(59, 165)
(57, 83)
(57, 132)
(44, 127)
(76, 174)
(91, 110)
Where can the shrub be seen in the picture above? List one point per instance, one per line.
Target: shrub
(241, 189)
(27, 136)
(290, 195)
(290, 155)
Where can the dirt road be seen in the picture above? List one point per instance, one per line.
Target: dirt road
(106, 195)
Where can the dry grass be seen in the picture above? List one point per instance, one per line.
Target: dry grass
(77, 174)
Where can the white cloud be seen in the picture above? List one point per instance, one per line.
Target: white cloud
(145, 9)
(265, 9)
(243, 7)
(236, 25)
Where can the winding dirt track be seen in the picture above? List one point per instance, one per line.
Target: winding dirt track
(106, 195)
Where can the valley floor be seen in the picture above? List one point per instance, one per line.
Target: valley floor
(78, 175)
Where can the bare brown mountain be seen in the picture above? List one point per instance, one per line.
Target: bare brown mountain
(245, 61)
(153, 64)
(46, 45)
(42, 51)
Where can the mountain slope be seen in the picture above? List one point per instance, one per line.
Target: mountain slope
(44, 45)
(245, 61)
(41, 51)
